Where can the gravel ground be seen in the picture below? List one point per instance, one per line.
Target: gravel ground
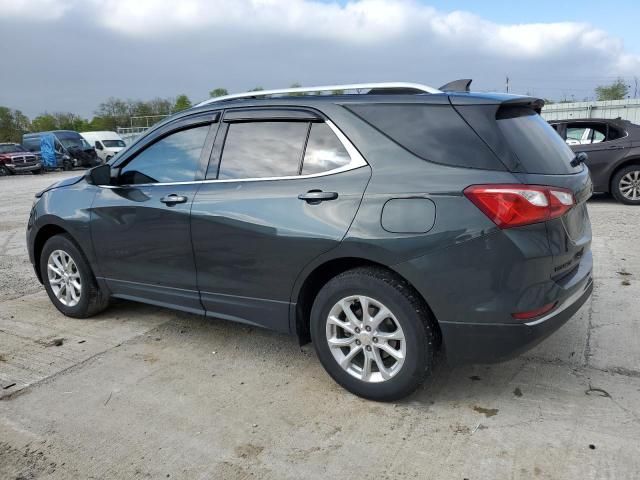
(142, 392)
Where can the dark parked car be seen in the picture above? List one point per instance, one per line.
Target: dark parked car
(15, 159)
(385, 227)
(70, 149)
(613, 149)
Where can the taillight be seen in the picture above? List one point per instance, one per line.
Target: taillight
(516, 205)
(538, 312)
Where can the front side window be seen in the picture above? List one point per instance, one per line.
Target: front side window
(175, 158)
(324, 151)
(262, 149)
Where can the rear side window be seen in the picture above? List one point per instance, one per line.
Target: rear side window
(538, 148)
(432, 132)
(324, 151)
(263, 149)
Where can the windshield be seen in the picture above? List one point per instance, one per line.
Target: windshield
(11, 148)
(72, 140)
(113, 143)
(537, 145)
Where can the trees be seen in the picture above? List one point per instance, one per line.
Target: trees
(13, 123)
(618, 90)
(218, 92)
(182, 103)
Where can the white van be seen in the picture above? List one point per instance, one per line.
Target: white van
(107, 144)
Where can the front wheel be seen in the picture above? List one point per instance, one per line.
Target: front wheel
(373, 334)
(68, 279)
(38, 171)
(4, 172)
(67, 165)
(625, 185)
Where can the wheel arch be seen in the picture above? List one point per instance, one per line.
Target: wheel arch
(623, 164)
(320, 275)
(45, 233)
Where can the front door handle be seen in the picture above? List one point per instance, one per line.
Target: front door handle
(314, 197)
(173, 199)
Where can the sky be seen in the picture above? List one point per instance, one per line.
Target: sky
(69, 55)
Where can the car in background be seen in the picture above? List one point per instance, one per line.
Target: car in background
(106, 143)
(14, 158)
(71, 149)
(613, 149)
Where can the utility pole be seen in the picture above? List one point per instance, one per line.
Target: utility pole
(507, 84)
(635, 90)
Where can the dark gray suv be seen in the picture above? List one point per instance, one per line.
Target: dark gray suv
(387, 226)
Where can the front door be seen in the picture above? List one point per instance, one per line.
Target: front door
(286, 191)
(140, 225)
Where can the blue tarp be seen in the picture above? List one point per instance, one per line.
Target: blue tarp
(48, 151)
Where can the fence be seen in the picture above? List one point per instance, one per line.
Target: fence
(628, 109)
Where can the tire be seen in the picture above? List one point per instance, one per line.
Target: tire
(38, 172)
(409, 318)
(90, 300)
(67, 166)
(625, 185)
(4, 172)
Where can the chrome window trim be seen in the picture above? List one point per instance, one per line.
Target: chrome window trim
(356, 161)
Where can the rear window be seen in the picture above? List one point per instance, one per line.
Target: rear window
(432, 132)
(537, 146)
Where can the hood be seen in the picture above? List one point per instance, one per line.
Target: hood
(9, 155)
(62, 183)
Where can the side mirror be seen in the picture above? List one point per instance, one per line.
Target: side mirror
(100, 175)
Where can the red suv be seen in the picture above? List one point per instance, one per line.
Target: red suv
(15, 159)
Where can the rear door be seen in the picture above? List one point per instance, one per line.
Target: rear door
(604, 144)
(283, 187)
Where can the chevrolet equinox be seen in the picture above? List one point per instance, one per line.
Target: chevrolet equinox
(386, 223)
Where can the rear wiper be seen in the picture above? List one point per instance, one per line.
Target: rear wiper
(580, 157)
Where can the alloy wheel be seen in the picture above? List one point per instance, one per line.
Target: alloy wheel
(64, 278)
(630, 185)
(366, 339)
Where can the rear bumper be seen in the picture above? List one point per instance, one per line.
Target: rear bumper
(490, 343)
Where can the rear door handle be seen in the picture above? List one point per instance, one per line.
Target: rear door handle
(317, 196)
(173, 199)
(615, 147)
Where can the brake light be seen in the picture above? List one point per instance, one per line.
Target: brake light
(516, 205)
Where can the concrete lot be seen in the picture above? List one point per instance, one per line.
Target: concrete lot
(141, 392)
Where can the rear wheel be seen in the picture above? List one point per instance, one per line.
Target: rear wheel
(68, 279)
(625, 185)
(373, 334)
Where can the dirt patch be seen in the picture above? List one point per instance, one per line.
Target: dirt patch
(487, 412)
(517, 392)
(248, 450)
(24, 464)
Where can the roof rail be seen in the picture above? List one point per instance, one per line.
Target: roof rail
(388, 87)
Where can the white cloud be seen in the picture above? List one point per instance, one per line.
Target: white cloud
(368, 22)
(34, 9)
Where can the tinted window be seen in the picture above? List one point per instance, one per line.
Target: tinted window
(263, 149)
(10, 148)
(539, 149)
(433, 132)
(324, 151)
(175, 158)
(32, 144)
(113, 143)
(72, 140)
